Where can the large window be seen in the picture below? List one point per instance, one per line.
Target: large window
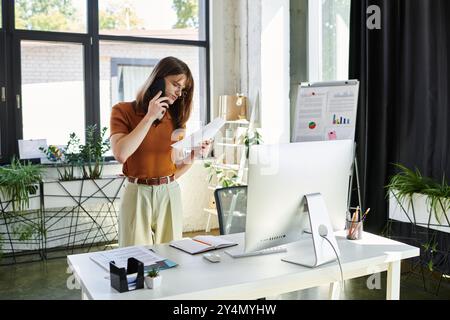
(47, 15)
(52, 90)
(176, 19)
(126, 77)
(3, 120)
(328, 43)
(124, 68)
(69, 61)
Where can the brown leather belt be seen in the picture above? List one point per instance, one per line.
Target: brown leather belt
(153, 181)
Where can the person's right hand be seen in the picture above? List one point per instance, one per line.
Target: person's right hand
(157, 108)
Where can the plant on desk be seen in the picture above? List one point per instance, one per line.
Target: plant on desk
(153, 279)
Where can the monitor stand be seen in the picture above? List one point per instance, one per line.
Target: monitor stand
(320, 224)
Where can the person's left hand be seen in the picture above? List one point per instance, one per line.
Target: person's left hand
(203, 150)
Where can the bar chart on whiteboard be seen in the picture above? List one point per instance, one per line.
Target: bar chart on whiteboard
(326, 111)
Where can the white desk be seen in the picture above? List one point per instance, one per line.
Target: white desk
(253, 277)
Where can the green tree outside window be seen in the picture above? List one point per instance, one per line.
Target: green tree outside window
(187, 13)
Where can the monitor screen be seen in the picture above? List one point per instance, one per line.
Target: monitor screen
(280, 176)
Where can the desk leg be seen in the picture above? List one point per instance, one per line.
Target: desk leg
(84, 295)
(334, 291)
(393, 281)
(208, 228)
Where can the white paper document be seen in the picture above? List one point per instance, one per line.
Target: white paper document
(29, 149)
(206, 133)
(120, 257)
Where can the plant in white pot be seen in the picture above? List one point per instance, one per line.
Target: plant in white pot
(20, 206)
(423, 202)
(419, 200)
(153, 279)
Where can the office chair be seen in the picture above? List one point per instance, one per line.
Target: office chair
(231, 205)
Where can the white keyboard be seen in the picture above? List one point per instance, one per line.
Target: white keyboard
(239, 253)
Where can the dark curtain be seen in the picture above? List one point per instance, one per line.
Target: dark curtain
(403, 112)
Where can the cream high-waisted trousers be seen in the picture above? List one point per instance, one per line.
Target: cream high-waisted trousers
(150, 214)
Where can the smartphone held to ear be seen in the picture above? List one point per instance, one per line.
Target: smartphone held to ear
(157, 86)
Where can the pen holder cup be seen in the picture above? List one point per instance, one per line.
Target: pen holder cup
(354, 230)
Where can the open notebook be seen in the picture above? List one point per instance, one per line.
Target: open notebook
(200, 244)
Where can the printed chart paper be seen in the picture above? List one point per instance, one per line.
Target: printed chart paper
(326, 111)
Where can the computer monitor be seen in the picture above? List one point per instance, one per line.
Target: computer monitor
(280, 176)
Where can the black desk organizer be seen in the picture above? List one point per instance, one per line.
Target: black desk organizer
(118, 275)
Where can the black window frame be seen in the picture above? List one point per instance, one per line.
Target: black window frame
(2, 88)
(10, 73)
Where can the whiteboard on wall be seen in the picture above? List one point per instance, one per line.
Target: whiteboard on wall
(326, 111)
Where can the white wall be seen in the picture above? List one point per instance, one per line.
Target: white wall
(256, 60)
(299, 49)
(275, 75)
(224, 60)
(195, 197)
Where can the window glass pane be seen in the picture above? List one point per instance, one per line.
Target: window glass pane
(52, 91)
(124, 67)
(51, 15)
(172, 19)
(335, 39)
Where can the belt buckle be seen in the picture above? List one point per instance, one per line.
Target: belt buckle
(160, 178)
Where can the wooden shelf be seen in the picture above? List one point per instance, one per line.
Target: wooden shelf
(209, 210)
(227, 166)
(235, 145)
(244, 122)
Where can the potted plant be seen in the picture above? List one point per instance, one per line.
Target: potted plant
(20, 205)
(228, 177)
(225, 177)
(419, 200)
(81, 197)
(153, 279)
(88, 186)
(18, 184)
(88, 157)
(252, 138)
(91, 153)
(423, 202)
(66, 158)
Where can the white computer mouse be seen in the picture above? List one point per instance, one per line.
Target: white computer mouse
(212, 257)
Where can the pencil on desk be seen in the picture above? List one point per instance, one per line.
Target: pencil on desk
(365, 214)
(352, 223)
